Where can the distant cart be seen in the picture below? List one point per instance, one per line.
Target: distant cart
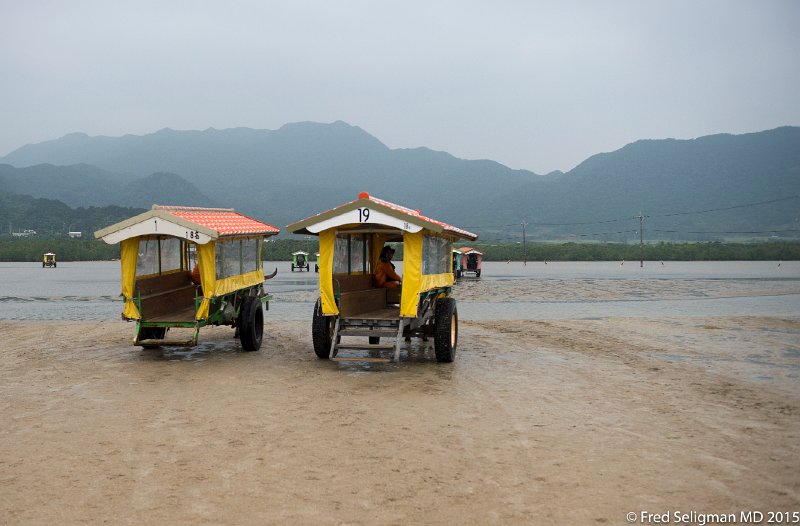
(190, 267)
(300, 261)
(456, 263)
(351, 238)
(471, 261)
(49, 260)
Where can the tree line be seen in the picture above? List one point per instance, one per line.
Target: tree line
(281, 250)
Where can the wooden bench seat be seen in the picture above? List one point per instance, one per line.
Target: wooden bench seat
(167, 296)
(357, 295)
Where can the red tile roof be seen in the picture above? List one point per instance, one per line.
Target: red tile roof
(226, 221)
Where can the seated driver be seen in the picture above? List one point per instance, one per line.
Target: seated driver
(385, 276)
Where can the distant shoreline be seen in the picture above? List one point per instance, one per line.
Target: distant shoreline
(31, 250)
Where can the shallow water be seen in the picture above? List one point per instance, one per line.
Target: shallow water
(571, 290)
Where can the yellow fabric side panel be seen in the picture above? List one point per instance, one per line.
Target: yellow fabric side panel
(412, 274)
(435, 281)
(208, 276)
(240, 281)
(327, 242)
(375, 252)
(128, 254)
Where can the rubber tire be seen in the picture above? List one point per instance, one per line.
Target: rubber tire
(322, 332)
(477, 273)
(251, 331)
(458, 274)
(445, 342)
(152, 333)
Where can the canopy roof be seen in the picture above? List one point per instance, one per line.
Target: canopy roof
(469, 250)
(199, 225)
(374, 211)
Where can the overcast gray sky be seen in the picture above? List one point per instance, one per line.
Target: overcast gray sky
(539, 85)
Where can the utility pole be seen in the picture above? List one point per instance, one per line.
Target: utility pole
(524, 247)
(641, 217)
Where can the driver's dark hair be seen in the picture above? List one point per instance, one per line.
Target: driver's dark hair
(386, 253)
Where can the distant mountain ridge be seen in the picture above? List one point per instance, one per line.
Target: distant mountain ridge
(300, 169)
(86, 185)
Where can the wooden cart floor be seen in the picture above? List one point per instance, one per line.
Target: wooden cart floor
(184, 316)
(387, 313)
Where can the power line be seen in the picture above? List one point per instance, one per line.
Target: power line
(746, 205)
(671, 214)
(726, 232)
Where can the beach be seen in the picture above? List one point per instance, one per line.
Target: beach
(537, 422)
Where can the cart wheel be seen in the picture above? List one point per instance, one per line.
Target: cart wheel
(478, 273)
(316, 268)
(307, 268)
(152, 333)
(322, 332)
(446, 330)
(458, 274)
(252, 328)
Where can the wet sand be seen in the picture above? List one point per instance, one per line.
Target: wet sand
(537, 422)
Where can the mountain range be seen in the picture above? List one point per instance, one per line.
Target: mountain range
(705, 188)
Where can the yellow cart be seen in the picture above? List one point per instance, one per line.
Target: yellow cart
(351, 237)
(190, 267)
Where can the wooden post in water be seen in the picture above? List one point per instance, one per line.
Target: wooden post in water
(524, 247)
(641, 238)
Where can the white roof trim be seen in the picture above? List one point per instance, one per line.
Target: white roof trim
(159, 226)
(364, 215)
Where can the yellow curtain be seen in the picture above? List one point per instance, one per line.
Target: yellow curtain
(327, 243)
(240, 281)
(435, 281)
(375, 252)
(128, 254)
(208, 276)
(412, 273)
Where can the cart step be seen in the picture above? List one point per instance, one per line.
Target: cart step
(341, 329)
(367, 332)
(366, 347)
(361, 359)
(167, 343)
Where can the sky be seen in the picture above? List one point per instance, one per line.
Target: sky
(536, 85)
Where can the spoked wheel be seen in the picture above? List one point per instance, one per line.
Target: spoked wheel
(322, 332)
(445, 340)
(251, 329)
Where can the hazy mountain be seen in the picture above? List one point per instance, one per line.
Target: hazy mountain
(76, 185)
(287, 174)
(86, 185)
